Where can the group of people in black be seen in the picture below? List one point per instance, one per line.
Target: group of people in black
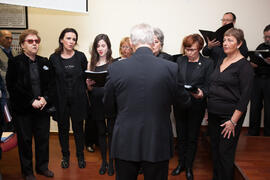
(132, 111)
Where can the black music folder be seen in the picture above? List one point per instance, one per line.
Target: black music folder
(218, 35)
(259, 56)
(98, 77)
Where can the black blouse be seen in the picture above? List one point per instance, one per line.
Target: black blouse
(230, 90)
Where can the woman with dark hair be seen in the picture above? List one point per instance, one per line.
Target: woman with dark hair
(195, 70)
(68, 67)
(101, 57)
(228, 97)
(29, 81)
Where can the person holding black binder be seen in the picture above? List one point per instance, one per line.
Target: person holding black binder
(214, 49)
(195, 70)
(101, 57)
(29, 83)
(260, 91)
(70, 100)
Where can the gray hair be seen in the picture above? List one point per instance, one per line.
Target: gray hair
(142, 34)
(160, 36)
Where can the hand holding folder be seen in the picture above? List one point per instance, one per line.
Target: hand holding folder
(98, 77)
(260, 57)
(218, 35)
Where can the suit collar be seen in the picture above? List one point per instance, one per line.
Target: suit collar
(144, 50)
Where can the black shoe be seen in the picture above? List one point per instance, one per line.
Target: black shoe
(90, 148)
(30, 177)
(81, 163)
(110, 169)
(178, 170)
(65, 162)
(46, 173)
(189, 174)
(103, 168)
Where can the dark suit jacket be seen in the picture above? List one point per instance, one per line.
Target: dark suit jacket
(139, 92)
(200, 75)
(19, 83)
(79, 96)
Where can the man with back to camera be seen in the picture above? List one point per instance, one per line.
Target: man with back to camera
(139, 92)
(214, 48)
(260, 92)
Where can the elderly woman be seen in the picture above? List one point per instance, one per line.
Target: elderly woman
(158, 45)
(196, 70)
(28, 82)
(229, 93)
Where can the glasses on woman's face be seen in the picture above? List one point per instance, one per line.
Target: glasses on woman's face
(191, 50)
(125, 47)
(31, 41)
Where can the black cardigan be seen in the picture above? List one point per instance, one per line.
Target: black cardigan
(79, 95)
(200, 75)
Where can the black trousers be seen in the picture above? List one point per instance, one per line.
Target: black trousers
(77, 127)
(103, 128)
(260, 97)
(188, 123)
(27, 126)
(90, 130)
(128, 170)
(223, 149)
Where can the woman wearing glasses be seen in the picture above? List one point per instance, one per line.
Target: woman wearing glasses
(195, 70)
(125, 49)
(68, 67)
(28, 82)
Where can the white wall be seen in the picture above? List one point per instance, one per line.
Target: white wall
(177, 18)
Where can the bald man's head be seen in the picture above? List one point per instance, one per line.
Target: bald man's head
(5, 38)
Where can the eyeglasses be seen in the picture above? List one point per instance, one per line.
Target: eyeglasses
(31, 41)
(226, 20)
(190, 50)
(125, 47)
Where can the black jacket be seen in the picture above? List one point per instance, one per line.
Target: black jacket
(79, 95)
(19, 83)
(201, 74)
(139, 92)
